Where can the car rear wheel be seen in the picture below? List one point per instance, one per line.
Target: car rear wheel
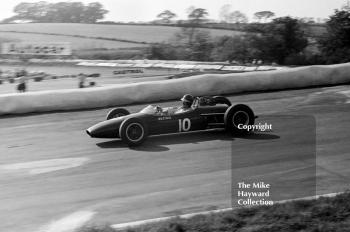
(133, 131)
(222, 100)
(116, 113)
(237, 118)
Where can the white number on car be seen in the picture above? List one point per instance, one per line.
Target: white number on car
(184, 125)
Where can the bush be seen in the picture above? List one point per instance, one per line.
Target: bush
(189, 43)
(296, 59)
(233, 49)
(168, 52)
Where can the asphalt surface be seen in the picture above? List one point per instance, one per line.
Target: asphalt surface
(50, 169)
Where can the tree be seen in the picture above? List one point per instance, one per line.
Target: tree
(224, 12)
(232, 17)
(67, 12)
(22, 9)
(198, 16)
(93, 12)
(263, 15)
(237, 17)
(279, 40)
(166, 16)
(31, 11)
(201, 47)
(233, 49)
(61, 12)
(185, 45)
(335, 47)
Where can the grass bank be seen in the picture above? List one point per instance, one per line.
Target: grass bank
(321, 215)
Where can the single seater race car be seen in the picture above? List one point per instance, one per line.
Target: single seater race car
(205, 113)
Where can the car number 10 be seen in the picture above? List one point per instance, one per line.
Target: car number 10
(184, 125)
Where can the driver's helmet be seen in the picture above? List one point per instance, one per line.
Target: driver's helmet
(187, 100)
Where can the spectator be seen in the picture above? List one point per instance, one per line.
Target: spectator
(81, 78)
(21, 72)
(22, 85)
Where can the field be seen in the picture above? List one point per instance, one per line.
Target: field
(76, 42)
(94, 35)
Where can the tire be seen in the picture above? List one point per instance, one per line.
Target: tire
(116, 113)
(222, 100)
(133, 131)
(238, 114)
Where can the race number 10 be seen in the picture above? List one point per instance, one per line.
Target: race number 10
(184, 125)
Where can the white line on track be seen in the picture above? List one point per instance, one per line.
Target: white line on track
(44, 166)
(185, 216)
(347, 94)
(69, 223)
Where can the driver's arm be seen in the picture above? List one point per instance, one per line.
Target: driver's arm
(170, 110)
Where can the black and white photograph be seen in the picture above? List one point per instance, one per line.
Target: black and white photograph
(175, 116)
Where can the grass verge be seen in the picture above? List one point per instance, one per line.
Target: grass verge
(326, 214)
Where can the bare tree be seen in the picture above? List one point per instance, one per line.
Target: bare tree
(198, 15)
(237, 17)
(166, 16)
(263, 15)
(190, 9)
(224, 12)
(228, 16)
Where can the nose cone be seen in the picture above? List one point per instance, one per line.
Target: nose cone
(89, 131)
(105, 129)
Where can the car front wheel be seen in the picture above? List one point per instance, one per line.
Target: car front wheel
(133, 131)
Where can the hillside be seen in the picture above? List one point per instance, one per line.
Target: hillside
(324, 214)
(77, 43)
(116, 41)
(83, 36)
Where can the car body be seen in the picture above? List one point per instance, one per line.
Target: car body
(205, 113)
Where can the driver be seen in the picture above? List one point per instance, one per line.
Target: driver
(187, 101)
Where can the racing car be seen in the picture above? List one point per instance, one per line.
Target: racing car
(205, 113)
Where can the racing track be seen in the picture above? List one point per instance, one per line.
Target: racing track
(49, 167)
